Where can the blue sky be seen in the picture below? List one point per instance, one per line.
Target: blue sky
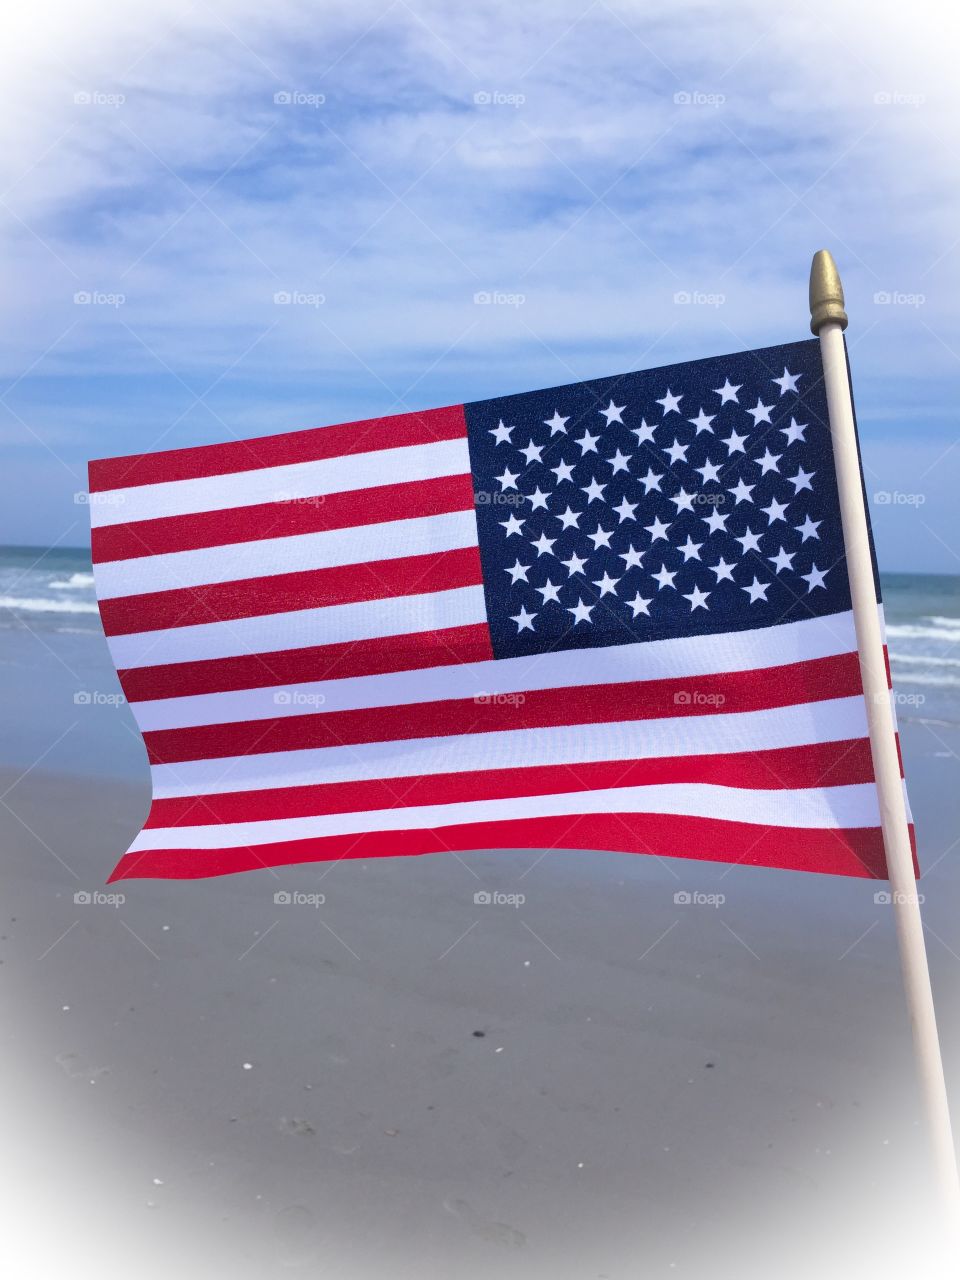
(383, 164)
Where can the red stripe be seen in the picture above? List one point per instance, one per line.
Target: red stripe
(854, 852)
(279, 450)
(826, 764)
(812, 681)
(284, 592)
(447, 647)
(282, 519)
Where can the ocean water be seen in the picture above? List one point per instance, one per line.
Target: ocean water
(63, 708)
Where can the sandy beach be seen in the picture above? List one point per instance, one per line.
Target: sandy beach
(383, 1075)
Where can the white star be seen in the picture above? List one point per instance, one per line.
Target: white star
(722, 569)
(523, 619)
(613, 412)
(727, 392)
(600, 537)
(501, 432)
(815, 578)
(709, 471)
(715, 522)
(518, 572)
(607, 585)
(594, 491)
(509, 479)
(588, 443)
(556, 423)
(690, 549)
(512, 525)
(651, 480)
(750, 541)
(643, 433)
(697, 598)
(581, 612)
(549, 592)
(619, 462)
(775, 510)
(794, 431)
(665, 577)
(757, 590)
(563, 472)
(677, 452)
(701, 422)
(570, 519)
(741, 491)
(671, 403)
(683, 501)
(761, 413)
(808, 529)
(657, 530)
(802, 480)
(632, 558)
(543, 544)
(783, 560)
(532, 452)
(734, 442)
(574, 564)
(639, 605)
(788, 382)
(768, 462)
(625, 510)
(538, 499)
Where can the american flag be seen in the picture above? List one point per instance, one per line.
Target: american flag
(609, 615)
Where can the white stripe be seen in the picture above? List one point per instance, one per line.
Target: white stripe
(334, 624)
(279, 484)
(829, 721)
(417, 536)
(650, 660)
(830, 807)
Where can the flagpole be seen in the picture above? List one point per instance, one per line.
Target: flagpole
(828, 321)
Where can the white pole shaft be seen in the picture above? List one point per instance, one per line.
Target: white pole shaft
(886, 765)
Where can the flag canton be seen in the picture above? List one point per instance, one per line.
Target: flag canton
(693, 499)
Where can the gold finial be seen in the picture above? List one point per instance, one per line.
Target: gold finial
(826, 292)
